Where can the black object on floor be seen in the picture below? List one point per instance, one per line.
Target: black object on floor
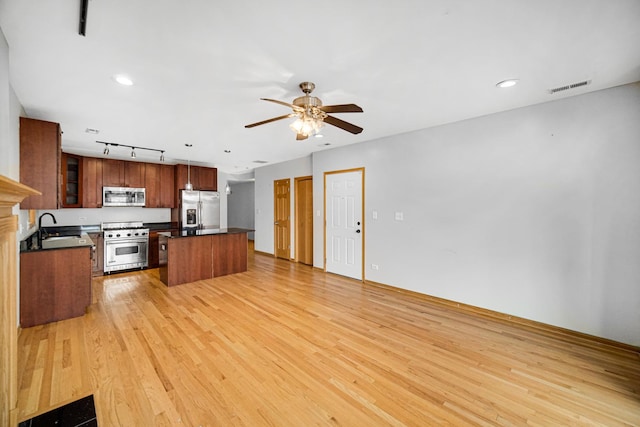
(81, 413)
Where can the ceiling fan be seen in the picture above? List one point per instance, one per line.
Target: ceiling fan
(312, 114)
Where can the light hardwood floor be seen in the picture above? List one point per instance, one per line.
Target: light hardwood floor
(286, 345)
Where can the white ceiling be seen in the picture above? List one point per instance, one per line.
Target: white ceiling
(200, 67)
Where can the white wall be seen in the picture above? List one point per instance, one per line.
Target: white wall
(533, 212)
(264, 178)
(241, 206)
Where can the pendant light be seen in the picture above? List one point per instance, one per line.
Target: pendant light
(188, 186)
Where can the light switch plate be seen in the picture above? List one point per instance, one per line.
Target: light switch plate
(399, 216)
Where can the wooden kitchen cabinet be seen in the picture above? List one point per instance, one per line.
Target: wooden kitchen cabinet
(187, 259)
(122, 173)
(134, 174)
(190, 260)
(40, 151)
(208, 179)
(167, 185)
(152, 184)
(113, 173)
(201, 178)
(54, 285)
(71, 185)
(91, 182)
(159, 182)
(229, 253)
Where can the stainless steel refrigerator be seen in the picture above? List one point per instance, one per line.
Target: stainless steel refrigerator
(199, 209)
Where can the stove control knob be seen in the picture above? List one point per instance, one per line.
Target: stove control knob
(144, 233)
(128, 234)
(118, 235)
(137, 234)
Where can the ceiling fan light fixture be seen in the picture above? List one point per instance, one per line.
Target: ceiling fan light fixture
(306, 125)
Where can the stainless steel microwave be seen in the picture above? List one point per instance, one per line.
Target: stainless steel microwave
(123, 196)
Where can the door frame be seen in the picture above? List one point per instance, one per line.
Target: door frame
(297, 203)
(324, 214)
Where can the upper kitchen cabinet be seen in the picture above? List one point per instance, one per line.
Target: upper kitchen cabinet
(167, 183)
(71, 185)
(121, 173)
(159, 184)
(134, 174)
(152, 185)
(40, 151)
(208, 179)
(201, 178)
(113, 173)
(91, 182)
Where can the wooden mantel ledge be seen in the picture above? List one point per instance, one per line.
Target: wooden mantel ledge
(12, 192)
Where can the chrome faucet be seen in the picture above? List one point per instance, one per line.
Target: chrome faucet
(40, 223)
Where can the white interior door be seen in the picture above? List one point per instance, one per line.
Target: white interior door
(344, 223)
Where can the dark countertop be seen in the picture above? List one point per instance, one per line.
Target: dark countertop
(204, 232)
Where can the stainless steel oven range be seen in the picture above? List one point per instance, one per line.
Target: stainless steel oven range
(126, 246)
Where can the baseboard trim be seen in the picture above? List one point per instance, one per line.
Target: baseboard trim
(508, 318)
(264, 253)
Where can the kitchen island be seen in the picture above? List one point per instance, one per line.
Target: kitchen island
(188, 255)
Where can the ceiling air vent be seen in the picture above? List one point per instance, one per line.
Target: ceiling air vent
(567, 87)
(260, 161)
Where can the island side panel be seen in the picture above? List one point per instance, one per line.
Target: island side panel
(229, 253)
(188, 260)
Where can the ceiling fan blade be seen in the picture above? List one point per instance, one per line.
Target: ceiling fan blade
(301, 136)
(286, 104)
(342, 108)
(343, 125)
(286, 116)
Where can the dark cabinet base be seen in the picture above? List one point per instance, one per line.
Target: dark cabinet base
(54, 285)
(188, 259)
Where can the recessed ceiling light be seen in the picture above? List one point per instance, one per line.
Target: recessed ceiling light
(227, 151)
(507, 83)
(188, 145)
(319, 135)
(93, 131)
(123, 80)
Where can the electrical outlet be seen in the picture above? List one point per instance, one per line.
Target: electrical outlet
(374, 266)
(374, 214)
(399, 216)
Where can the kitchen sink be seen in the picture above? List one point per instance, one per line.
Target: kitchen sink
(70, 241)
(54, 238)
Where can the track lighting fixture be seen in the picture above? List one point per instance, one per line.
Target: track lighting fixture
(133, 149)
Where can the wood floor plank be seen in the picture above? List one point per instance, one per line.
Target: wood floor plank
(284, 344)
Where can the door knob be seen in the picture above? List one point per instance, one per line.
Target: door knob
(357, 231)
(276, 223)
